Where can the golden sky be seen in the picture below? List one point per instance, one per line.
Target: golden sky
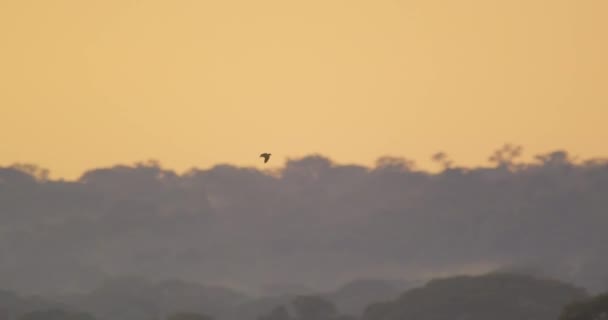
(87, 83)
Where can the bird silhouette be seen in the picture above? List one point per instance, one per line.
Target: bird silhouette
(266, 156)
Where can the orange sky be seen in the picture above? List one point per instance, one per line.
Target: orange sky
(192, 83)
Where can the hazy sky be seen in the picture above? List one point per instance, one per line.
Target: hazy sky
(193, 83)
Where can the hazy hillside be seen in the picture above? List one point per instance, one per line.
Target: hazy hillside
(13, 305)
(128, 298)
(313, 222)
(493, 296)
(592, 308)
(351, 298)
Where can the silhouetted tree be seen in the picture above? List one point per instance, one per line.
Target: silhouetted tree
(41, 174)
(554, 159)
(505, 156)
(442, 159)
(394, 164)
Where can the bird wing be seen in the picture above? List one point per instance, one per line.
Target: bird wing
(266, 156)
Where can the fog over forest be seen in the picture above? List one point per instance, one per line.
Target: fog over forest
(312, 224)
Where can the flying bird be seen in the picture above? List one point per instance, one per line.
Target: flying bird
(266, 156)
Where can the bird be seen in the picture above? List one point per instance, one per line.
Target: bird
(266, 156)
